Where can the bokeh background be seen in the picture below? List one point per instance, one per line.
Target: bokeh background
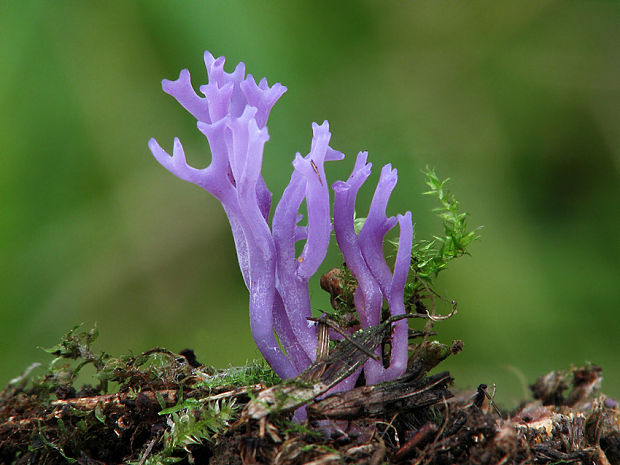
(518, 103)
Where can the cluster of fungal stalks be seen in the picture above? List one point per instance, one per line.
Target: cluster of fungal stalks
(232, 113)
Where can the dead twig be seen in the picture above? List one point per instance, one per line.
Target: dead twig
(419, 440)
(147, 452)
(376, 400)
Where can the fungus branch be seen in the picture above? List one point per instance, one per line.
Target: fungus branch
(232, 113)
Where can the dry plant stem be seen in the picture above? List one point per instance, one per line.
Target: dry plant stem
(322, 348)
(149, 448)
(419, 440)
(89, 403)
(378, 399)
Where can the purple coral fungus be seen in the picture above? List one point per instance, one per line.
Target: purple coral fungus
(233, 115)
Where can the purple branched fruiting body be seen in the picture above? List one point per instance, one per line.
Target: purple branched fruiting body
(363, 254)
(371, 243)
(375, 228)
(400, 337)
(233, 114)
(368, 297)
(294, 272)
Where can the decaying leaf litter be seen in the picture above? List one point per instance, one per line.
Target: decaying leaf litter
(156, 408)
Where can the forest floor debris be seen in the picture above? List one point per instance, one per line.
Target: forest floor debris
(159, 408)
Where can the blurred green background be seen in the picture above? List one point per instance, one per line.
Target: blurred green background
(517, 103)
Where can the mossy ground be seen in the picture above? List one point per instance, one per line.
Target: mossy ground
(160, 408)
